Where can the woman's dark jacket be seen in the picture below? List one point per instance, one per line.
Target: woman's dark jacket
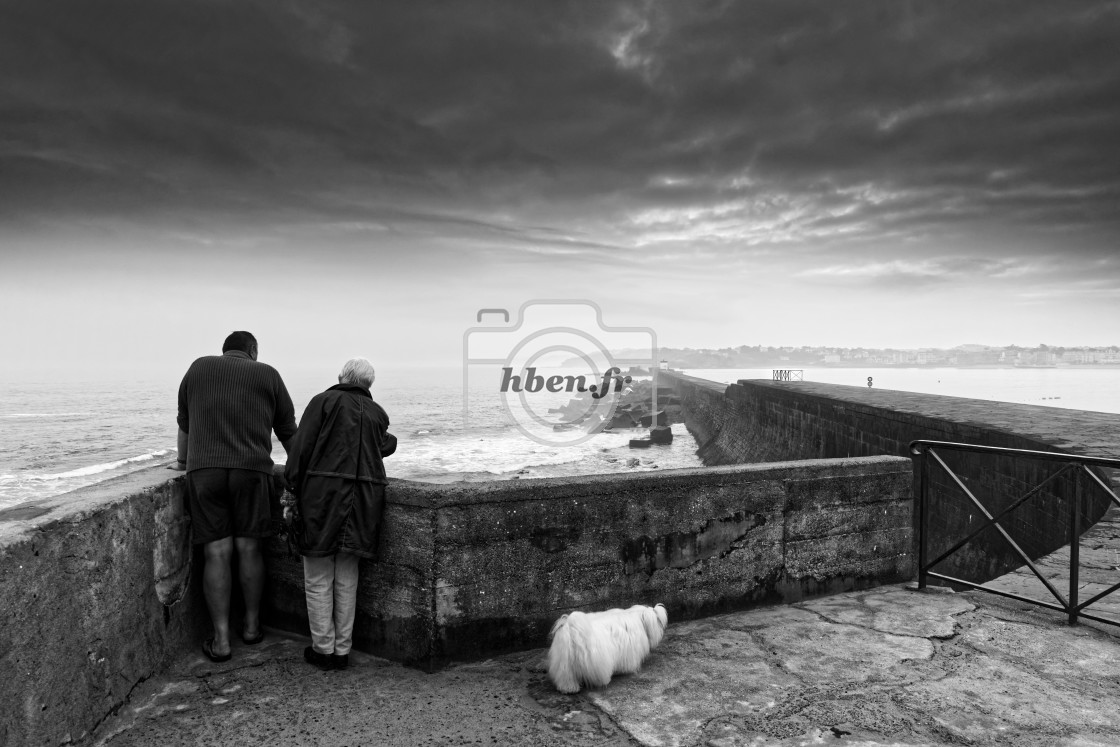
(335, 470)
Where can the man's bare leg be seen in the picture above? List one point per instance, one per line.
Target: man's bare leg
(217, 578)
(250, 565)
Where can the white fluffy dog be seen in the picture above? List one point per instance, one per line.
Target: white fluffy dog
(589, 647)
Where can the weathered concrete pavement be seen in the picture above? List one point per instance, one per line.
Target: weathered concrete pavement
(1099, 561)
(883, 667)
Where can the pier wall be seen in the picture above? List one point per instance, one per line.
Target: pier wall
(97, 594)
(761, 421)
(475, 568)
(99, 589)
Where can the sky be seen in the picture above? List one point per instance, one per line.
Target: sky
(356, 178)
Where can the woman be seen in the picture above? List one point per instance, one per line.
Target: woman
(335, 469)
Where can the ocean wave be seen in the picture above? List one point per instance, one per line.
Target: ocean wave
(94, 469)
(495, 457)
(504, 456)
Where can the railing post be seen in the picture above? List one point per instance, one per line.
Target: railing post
(923, 509)
(1074, 547)
(1078, 505)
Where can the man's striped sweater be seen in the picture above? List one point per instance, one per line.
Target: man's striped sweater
(229, 405)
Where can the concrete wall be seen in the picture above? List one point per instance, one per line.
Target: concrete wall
(475, 568)
(97, 591)
(81, 581)
(760, 421)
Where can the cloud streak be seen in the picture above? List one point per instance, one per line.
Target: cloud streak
(905, 274)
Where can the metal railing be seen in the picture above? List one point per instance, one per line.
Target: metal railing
(788, 374)
(1072, 464)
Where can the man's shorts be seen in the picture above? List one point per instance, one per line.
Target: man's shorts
(229, 503)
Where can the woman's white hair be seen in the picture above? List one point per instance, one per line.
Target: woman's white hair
(357, 371)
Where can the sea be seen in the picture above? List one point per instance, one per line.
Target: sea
(54, 439)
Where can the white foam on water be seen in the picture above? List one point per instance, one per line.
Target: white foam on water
(94, 469)
(494, 454)
(605, 454)
(500, 453)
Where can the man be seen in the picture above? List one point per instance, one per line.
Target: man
(229, 406)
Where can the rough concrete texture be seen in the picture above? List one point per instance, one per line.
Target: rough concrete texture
(83, 581)
(510, 559)
(470, 569)
(97, 591)
(875, 668)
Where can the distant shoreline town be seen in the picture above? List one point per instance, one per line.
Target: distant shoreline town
(962, 356)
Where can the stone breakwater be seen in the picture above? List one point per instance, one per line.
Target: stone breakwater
(470, 569)
(95, 595)
(761, 421)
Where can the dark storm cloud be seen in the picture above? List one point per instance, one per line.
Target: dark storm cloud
(971, 111)
(569, 125)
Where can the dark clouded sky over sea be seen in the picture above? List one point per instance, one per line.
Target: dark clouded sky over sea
(361, 177)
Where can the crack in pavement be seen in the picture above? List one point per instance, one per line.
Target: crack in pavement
(872, 628)
(115, 709)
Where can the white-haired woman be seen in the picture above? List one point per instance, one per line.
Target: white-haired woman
(335, 470)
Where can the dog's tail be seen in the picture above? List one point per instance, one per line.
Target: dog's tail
(655, 620)
(557, 625)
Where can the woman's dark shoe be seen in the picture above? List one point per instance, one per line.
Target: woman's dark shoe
(340, 661)
(252, 640)
(208, 649)
(311, 656)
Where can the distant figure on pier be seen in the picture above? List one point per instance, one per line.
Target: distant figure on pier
(229, 406)
(335, 469)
